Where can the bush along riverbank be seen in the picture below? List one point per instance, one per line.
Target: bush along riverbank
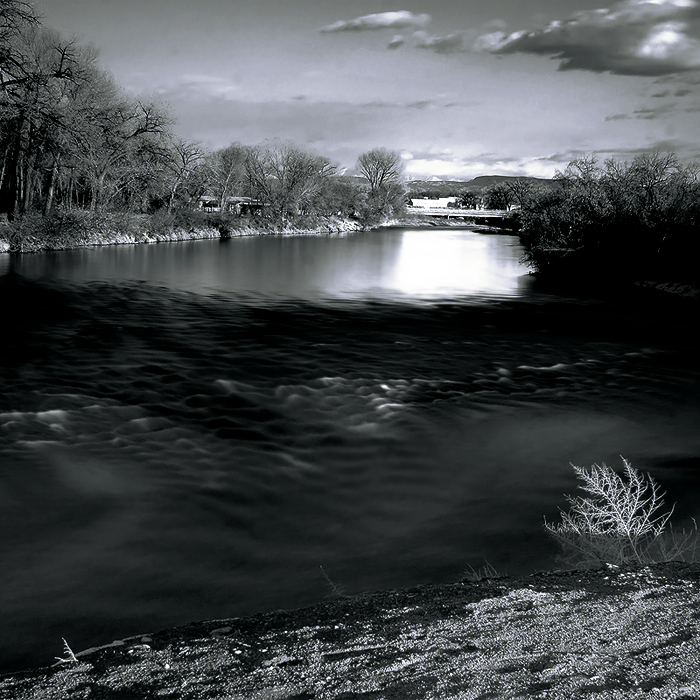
(64, 229)
(616, 224)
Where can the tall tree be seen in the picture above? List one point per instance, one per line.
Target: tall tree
(40, 68)
(381, 168)
(183, 172)
(65, 127)
(124, 142)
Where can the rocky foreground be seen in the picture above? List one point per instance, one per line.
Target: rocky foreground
(610, 633)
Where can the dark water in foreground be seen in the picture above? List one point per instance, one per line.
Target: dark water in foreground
(190, 431)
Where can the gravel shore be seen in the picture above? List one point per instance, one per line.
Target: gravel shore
(608, 633)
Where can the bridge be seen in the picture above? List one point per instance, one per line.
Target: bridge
(490, 217)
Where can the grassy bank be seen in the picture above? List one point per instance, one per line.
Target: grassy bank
(66, 229)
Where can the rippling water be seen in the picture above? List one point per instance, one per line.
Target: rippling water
(192, 431)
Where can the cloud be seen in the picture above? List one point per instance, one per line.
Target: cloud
(207, 86)
(396, 41)
(420, 104)
(646, 113)
(631, 37)
(401, 19)
(451, 43)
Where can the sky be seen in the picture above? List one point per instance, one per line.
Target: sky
(460, 88)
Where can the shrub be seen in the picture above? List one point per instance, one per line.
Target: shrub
(161, 222)
(621, 523)
(62, 228)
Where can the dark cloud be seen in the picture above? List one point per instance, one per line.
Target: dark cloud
(401, 19)
(631, 37)
(419, 104)
(654, 112)
(684, 150)
(646, 113)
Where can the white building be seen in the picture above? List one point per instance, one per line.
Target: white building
(441, 203)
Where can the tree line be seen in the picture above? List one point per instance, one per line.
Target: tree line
(70, 137)
(289, 181)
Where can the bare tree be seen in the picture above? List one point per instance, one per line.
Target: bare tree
(14, 14)
(287, 178)
(124, 142)
(381, 168)
(520, 189)
(39, 69)
(225, 171)
(181, 167)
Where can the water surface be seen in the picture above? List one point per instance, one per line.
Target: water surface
(403, 264)
(191, 430)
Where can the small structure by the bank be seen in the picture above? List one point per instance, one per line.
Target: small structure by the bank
(241, 206)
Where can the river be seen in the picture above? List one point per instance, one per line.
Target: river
(192, 430)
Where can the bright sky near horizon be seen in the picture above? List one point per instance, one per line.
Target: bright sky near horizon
(461, 87)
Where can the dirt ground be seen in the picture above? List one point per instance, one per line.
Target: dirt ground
(608, 633)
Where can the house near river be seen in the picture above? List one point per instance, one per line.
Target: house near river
(241, 206)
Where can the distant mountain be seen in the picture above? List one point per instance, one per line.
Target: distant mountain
(451, 188)
(489, 180)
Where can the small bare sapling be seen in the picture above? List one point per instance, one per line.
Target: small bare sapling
(620, 522)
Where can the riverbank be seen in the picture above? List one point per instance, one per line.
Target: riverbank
(74, 229)
(604, 633)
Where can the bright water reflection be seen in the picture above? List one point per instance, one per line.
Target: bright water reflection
(403, 263)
